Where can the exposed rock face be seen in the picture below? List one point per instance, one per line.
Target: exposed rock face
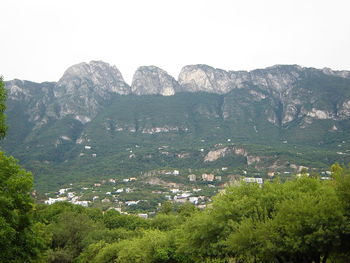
(275, 83)
(83, 87)
(338, 73)
(196, 78)
(276, 79)
(216, 154)
(240, 151)
(253, 159)
(225, 151)
(344, 111)
(319, 114)
(153, 80)
(285, 93)
(80, 92)
(37, 96)
(286, 90)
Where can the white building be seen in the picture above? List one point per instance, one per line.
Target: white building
(208, 177)
(184, 195)
(145, 216)
(192, 177)
(193, 200)
(55, 200)
(82, 203)
(62, 191)
(131, 202)
(174, 191)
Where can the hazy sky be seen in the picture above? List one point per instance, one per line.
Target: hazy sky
(41, 38)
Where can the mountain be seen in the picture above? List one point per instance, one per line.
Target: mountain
(91, 124)
(153, 80)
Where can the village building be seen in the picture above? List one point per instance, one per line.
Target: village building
(192, 177)
(145, 216)
(270, 174)
(174, 191)
(55, 200)
(208, 177)
(82, 203)
(62, 191)
(193, 200)
(132, 202)
(218, 178)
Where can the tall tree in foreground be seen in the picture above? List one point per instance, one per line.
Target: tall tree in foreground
(304, 220)
(19, 236)
(2, 108)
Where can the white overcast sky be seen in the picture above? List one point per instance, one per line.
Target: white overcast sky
(41, 38)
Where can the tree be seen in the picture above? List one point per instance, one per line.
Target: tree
(69, 232)
(3, 127)
(306, 226)
(21, 240)
(302, 220)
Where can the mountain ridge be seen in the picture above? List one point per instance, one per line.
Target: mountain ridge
(84, 87)
(282, 114)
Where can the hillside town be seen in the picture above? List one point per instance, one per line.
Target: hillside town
(144, 196)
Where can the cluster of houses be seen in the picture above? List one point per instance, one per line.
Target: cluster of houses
(109, 196)
(204, 177)
(69, 197)
(175, 195)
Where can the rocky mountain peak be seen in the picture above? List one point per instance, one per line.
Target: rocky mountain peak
(153, 80)
(96, 74)
(194, 78)
(85, 86)
(201, 77)
(289, 90)
(338, 73)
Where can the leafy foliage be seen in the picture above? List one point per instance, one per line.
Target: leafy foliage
(21, 239)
